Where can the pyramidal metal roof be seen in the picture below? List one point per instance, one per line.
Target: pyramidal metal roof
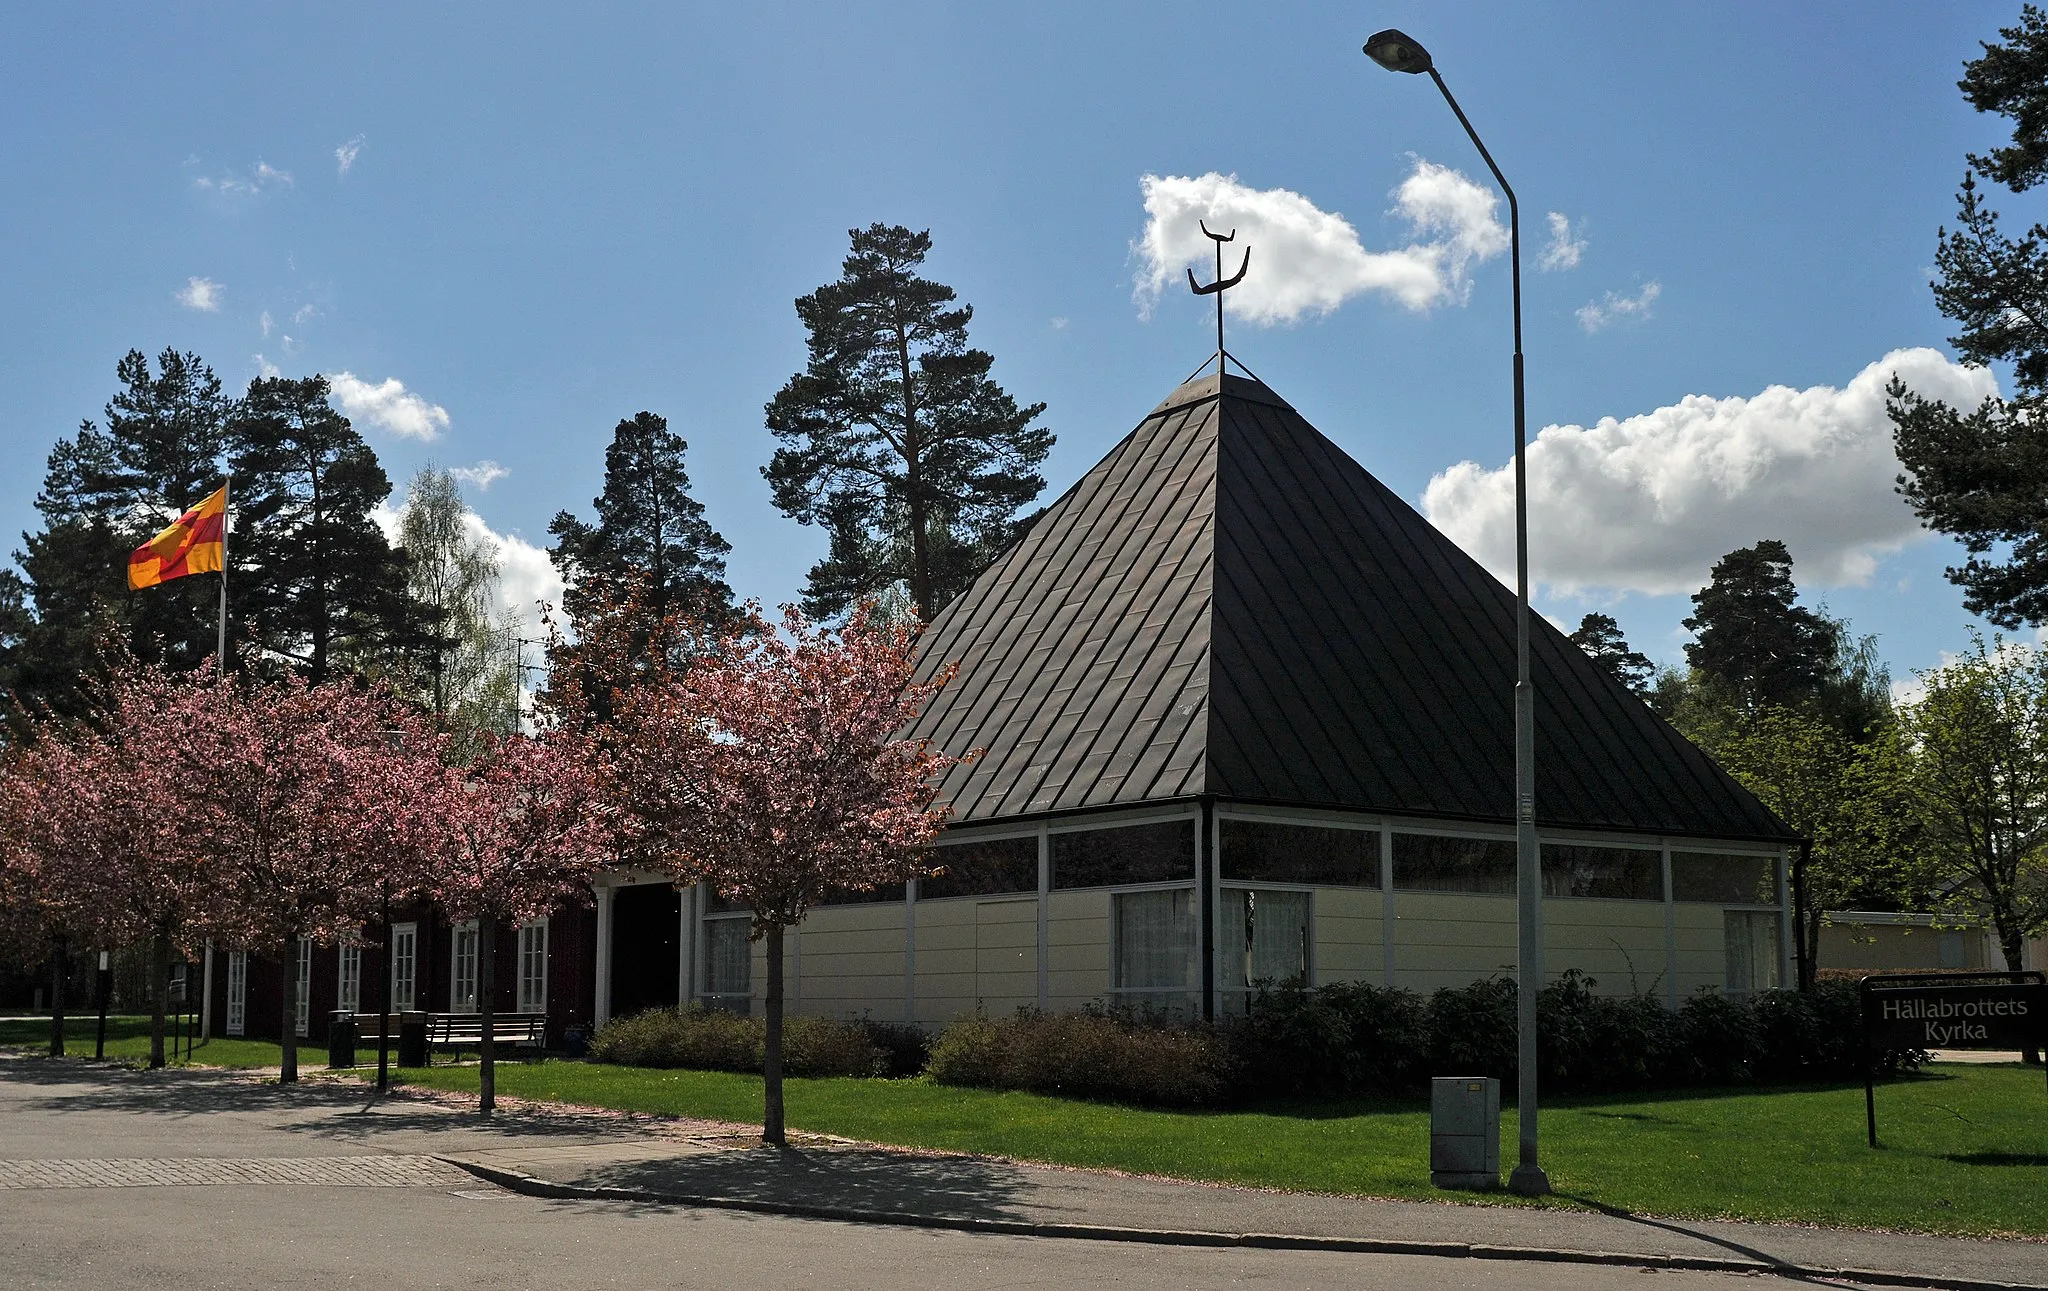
(1229, 605)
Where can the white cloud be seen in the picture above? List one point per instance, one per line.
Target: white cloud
(1565, 249)
(303, 312)
(201, 294)
(267, 322)
(264, 367)
(389, 406)
(345, 156)
(233, 185)
(1310, 261)
(1647, 504)
(481, 476)
(1613, 307)
(1059, 324)
(269, 174)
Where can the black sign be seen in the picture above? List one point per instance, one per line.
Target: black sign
(2000, 1015)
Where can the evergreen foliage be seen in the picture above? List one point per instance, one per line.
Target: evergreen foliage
(894, 438)
(1751, 634)
(1600, 637)
(650, 532)
(1976, 473)
(313, 574)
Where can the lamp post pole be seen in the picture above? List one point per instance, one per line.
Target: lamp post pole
(1401, 53)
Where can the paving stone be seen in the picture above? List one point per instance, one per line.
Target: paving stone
(381, 1171)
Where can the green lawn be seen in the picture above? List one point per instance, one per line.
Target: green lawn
(1966, 1149)
(128, 1041)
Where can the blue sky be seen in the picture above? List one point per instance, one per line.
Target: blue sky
(550, 220)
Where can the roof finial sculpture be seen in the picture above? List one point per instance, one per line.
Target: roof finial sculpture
(1218, 287)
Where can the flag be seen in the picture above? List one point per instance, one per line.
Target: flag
(194, 545)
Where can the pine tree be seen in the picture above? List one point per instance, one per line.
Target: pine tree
(105, 491)
(1600, 637)
(894, 437)
(1976, 473)
(313, 574)
(650, 533)
(1751, 634)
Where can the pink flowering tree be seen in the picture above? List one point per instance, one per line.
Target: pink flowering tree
(101, 816)
(772, 767)
(315, 797)
(520, 837)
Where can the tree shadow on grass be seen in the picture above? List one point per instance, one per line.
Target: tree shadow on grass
(833, 1179)
(1998, 1158)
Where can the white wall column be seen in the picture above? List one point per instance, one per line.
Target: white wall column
(601, 1011)
(1044, 917)
(1387, 919)
(1670, 929)
(206, 994)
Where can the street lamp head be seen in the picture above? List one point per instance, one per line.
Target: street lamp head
(1398, 52)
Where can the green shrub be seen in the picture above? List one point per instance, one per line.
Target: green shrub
(1093, 1054)
(1472, 1029)
(704, 1039)
(1346, 1037)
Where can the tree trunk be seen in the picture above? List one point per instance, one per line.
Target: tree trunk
(159, 994)
(771, 1047)
(288, 1036)
(2013, 944)
(486, 1005)
(60, 968)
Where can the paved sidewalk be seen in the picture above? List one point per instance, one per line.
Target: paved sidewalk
(50, 1109)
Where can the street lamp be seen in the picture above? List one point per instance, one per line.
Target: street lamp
(1399, 52)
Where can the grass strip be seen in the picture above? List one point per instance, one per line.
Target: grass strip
(1966, 1147)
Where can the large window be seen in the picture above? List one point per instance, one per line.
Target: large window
(1754, 951)
(728, 962)
(405, 944)
(1724, 878)
(1116, 857)
(1438, 863)
(886, 893)
(1275, 852)
(533, 967)
(350, 976)
(462, 969)
(1619, 873)
(1265, 939)
(982, 867)
(1156, 947)
(302, 998)
(238, 992)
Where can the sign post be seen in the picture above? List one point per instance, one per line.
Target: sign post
(1985, 1010)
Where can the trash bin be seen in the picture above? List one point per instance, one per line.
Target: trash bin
(1464, 1132)
(412, 1039)
(341, 1039)
(576, 1042)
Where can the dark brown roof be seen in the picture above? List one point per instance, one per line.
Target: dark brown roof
(1227, 604)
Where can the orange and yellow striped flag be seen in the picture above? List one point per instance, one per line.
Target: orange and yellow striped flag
(194, 545)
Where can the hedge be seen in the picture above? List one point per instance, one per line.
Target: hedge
(717, 1040)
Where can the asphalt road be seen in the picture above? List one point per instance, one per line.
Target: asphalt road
(144, 1183)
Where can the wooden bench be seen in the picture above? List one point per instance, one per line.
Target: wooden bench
(526, 1032)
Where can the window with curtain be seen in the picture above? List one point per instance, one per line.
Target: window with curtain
(1277, 852)
(1721, 878)
(1439, 863)
(728, 962)
(302, 1001)
(1614, 873)
(462, 969)
(350, 977)
(1156, 945)
(1265, 938)
(533, 967)
(988, 867)
(238, 992)
(1754, 951)
(1098, 858)
(405, 944)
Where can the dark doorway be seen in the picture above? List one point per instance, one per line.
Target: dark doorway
(646, 947)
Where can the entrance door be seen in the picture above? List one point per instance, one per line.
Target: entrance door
(646, 947)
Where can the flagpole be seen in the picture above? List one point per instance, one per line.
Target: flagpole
(226, 483)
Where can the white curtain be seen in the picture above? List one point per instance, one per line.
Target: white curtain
(1754, 952)
(1265, 937)
(728, 957)
(1155, 940)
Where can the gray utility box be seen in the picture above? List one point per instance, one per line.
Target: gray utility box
(1464, 1132)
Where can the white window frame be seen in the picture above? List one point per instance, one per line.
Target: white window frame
(1242, 994)
(465, 933)
(741, 1000)
(238, 992)
(1168, 995)
(348, 974)
(533, 966)
(302, 990)
(405, 960)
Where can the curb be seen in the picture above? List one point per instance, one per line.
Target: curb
(530, 1186)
